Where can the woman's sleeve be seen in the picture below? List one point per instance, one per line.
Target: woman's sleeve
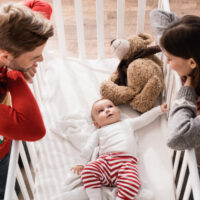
(183, 123)
(146, 118)
(22, 121)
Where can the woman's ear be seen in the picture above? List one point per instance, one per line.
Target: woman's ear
(192, 63)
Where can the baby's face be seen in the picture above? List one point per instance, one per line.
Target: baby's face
(104, 113)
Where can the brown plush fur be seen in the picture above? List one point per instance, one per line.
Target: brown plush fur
(145, 80)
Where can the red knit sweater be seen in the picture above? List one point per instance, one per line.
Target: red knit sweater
(22, 121)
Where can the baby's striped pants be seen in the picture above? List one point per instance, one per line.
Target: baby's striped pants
(113, 169)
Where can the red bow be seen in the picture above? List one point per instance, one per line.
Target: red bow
(40, 6)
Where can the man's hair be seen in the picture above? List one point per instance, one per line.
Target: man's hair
(21, 29)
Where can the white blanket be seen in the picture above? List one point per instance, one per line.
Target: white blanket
(66, 88)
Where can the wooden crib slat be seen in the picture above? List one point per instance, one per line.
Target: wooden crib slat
(169, 82)
(15, 196)
(12, 170)
(27, 169)
(57, 7)
(176, 162)
(187, 189)
(195, 181)
(164, 5)
(80, 28)
(22, 184)
(120, 18)
(32, 153)
(181, 177)
(100, 27)
(141, 16)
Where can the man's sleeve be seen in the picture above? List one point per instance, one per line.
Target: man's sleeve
(22, 121)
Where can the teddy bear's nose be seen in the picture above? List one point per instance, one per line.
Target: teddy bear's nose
(112, 42)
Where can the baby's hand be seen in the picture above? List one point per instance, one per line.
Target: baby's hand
(77, 169)
(163, 107)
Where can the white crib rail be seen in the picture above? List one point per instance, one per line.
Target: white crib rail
(12, 170)
(120, 18)
(141, 16)
(57, 7)
(184, 163)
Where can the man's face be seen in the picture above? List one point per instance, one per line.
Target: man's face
(27, 60)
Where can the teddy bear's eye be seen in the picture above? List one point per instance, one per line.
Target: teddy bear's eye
(117, 45)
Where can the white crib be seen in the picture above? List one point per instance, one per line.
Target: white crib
(184, 165)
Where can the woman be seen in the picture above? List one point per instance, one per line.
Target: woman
(181, 45)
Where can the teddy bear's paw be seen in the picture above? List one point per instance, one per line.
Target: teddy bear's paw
(117, 94)
(140, 106)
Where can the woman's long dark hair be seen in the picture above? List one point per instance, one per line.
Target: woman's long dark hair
(182, 39)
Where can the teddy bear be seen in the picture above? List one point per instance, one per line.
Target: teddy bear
(138, 79)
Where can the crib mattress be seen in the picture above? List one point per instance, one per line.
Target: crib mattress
(70, 85)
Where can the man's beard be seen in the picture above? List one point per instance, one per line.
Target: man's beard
(14, 66)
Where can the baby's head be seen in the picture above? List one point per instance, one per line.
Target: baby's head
(104, 112)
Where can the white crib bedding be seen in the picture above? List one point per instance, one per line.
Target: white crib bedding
(70, 86)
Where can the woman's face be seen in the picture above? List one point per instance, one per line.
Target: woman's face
(182, 66)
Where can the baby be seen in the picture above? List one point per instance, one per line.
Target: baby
(117, 162)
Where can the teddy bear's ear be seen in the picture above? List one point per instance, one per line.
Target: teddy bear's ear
(148, 39)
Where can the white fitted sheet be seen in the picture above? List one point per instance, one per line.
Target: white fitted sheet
(70, 86)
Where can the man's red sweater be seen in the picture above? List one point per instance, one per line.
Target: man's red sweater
(22, 121)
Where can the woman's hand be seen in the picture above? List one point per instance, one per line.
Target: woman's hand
(77, 169)
(188, 81)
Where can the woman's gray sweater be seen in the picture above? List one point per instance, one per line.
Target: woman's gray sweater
(183, 122)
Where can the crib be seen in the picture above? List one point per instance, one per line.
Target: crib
(182, 169)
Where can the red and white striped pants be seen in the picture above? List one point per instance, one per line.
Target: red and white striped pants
(113, 169)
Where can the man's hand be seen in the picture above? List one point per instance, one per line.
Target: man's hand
(29, 74)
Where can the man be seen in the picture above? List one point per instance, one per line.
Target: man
(23, 35)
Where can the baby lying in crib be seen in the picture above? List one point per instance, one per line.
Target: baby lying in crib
(117, 162)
